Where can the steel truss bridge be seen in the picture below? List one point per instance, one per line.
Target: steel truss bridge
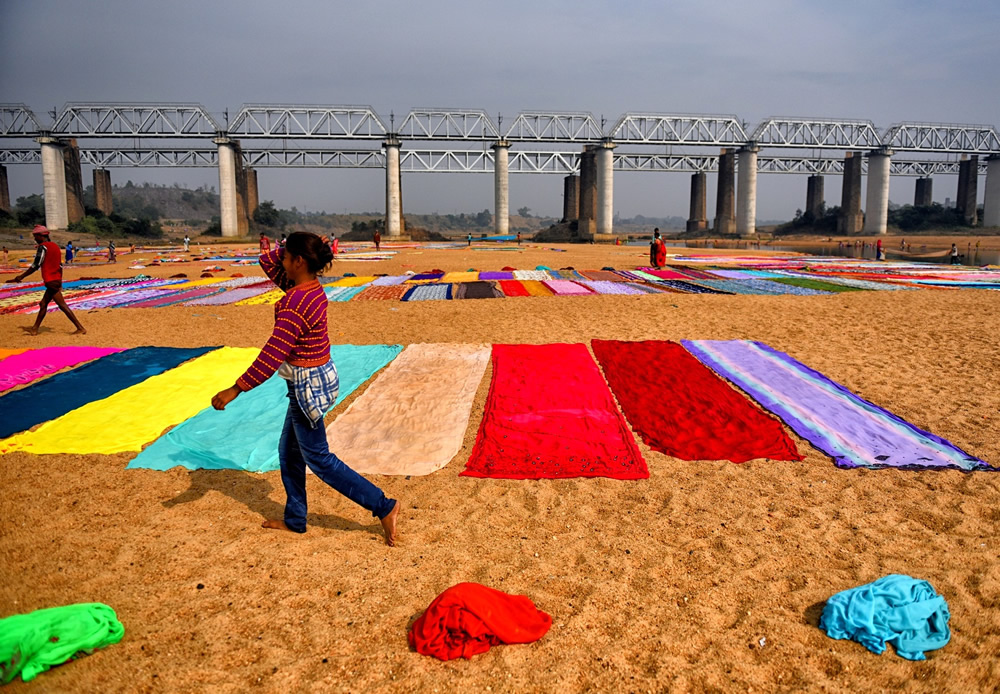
(460, 140)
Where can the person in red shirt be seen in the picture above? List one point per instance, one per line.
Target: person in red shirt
(48, 258)
(265, 243)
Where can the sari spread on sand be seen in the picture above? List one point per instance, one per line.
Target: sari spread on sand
(549, 414)
(469, 618)
(679, 407)
(20, 369)
(848, 428)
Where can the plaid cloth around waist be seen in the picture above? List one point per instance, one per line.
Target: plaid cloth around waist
(315, 387)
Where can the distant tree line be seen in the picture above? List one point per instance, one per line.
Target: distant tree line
(904, 217)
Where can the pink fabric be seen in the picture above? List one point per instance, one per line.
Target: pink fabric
(32, 365)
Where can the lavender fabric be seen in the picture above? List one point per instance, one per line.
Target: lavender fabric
(610, 287)
(231, 296)
(496, 275)
(851, 430)
(389, 280)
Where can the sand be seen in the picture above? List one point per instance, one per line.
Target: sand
(708, 576)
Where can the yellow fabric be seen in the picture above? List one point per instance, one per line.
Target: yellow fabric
(412, 419)
(536, 288)
(194, 283)
(460, 277)
(4, 353)
(135, 416)
(349, 282)
(270, 297)
(32, 297)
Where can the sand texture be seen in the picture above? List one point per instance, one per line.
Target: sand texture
(708, 576)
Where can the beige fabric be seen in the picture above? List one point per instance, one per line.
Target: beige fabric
(412, 419)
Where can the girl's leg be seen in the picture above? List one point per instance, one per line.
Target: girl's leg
(61, 303)
(293, 475)
(332, 470)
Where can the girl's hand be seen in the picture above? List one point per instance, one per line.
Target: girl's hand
(224, 397)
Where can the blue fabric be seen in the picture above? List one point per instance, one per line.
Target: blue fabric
(53, 397)
(245, 435)
(896, 609)
(303, 445)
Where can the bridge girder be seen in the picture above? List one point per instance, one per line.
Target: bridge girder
(307, 122)
(554, 126)
(17, 120)
(135, 120)
(943, 137)
(817, 133)
(448, 124)
(678, 129)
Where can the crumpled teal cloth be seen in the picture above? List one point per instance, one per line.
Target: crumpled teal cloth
(896, 609)
(32, 643)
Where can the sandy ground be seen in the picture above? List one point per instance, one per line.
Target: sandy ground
(708, 576)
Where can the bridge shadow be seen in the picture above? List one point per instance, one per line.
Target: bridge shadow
(253, 491)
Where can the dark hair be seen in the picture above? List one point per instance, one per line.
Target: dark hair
(311, 248)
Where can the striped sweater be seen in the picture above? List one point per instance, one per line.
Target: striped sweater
(300, 334)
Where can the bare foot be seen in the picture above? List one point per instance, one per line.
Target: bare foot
(79, 331)
(32, 330)
(275, 525)
(389, 526)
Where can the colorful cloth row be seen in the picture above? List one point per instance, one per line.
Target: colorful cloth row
(550, 411)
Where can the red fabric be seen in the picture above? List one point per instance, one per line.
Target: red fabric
(680, 407)
(513, 288)
(661, 254)
(468, 618)
(549, 414)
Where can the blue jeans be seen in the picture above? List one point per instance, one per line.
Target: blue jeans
(302, 445)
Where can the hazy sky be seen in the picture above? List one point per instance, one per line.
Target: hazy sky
(886, 61)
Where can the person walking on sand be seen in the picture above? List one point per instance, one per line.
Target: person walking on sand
(112, 258)
(299, 351)
(187, 243)
(69, 252)
(377, 238)
(954, 254)
(47, 258)
(265, 243)
(657, 251)
(469, 237)
(5, 254)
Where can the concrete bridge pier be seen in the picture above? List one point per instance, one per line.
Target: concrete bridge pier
(501, 187)
(605, 187)
(74, 181)
(991, 211)
(228, 196)
(746, 191)
(54, 183)
(968, 189)
(697, 221)
(923, 193)
(725, 217)
(851, 219)
(877, 198)
(393, 191)
(814, 196)
(571, 198)
(253, 199)
(102, 191)
(4, 190)
(586, 218)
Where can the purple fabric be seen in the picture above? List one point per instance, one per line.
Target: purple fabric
(609, 287)
(389, 280)
(496, 275)
(853, 431)
(231, 296)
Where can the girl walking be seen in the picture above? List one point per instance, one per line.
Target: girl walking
(299, 351)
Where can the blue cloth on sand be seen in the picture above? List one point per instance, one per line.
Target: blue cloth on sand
(245, 435)
(896, 609)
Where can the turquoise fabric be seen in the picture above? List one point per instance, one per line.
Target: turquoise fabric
(245, 435)
(896, 609)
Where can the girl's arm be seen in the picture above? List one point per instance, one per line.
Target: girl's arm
(270, 263)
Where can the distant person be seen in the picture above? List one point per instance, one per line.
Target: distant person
(5, 254)
(299, 351)
(131, 248)
(187, 243)
(112, 258)
(902, 244)
(283, 241)
(657, 250)
(377, 238)
(334, 245)
(69, 252)
(265, 243)
(469, 238)
(878, 251)
(954, 254)
(519, 238)
(47, 258)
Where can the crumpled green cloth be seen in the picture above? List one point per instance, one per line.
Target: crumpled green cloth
(896, 609)
(33, 643)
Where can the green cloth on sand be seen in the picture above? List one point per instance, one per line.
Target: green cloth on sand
(33, 643)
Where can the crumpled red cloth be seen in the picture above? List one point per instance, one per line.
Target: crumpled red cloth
(469, 618)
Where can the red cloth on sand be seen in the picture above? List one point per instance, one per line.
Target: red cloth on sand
(680, 407)
(469, 618)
